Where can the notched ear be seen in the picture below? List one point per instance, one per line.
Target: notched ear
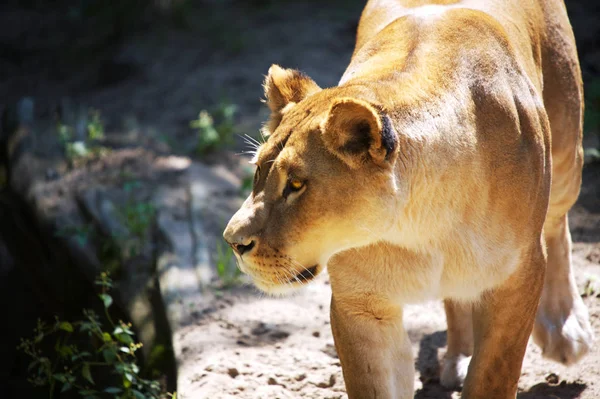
(356, 132)
(283, 89)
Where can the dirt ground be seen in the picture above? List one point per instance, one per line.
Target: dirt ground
(252, 346)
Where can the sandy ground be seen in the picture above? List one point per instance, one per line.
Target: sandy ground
(257, 347)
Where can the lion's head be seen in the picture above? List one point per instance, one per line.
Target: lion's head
(324, 182)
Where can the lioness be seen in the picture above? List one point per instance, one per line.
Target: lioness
(443, 165)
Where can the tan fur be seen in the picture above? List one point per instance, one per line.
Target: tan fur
(442, 166)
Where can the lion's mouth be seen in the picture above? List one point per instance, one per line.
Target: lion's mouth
(305, 275)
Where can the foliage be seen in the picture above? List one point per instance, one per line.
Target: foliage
(77, 149)
(86, 352)
(228, 272)
(81, 234)
(214, 130)
(137, 217)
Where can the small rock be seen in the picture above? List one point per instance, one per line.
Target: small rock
(330, 350)
(300, 377)
(316, 334)
(209, 368)
(279, 334)
(329, 383)
(552, 379)
(233, 372)
(272, 381)
(261, 329)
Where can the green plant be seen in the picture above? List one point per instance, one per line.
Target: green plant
(228, 272)
(95, 128)
(81, 234)
(88, 352)
(137, 217)
(76, 150)
(214, 130)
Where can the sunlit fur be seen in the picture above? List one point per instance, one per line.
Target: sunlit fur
(464, 197)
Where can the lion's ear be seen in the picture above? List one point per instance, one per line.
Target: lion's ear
(284, 87)
(356, 132)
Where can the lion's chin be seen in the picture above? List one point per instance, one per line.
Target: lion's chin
(294, 284)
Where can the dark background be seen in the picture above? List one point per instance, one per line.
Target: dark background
(150, 67)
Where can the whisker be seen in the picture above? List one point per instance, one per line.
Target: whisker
(253, 139)
(304, 268)
(250, 142)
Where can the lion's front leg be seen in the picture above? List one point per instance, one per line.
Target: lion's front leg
(503, 320)
(373, 347)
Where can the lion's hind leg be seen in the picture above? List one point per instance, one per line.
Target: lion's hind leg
(562, 328)
(454, 367)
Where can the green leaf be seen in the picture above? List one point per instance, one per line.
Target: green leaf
(80, 355)
(66, 387)
(113, 390)
(64, 351)
(85, 372)
(106, 337)
(138, 394)
(126, 382)
(87, 392)
(109, 355)
(66, 326)
(124, 338)
(107, 299)
(125, 349)
(60, 377)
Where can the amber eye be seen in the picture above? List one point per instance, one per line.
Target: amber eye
(292, 186)
(296, 184)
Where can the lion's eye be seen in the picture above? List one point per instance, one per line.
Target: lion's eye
(296, 184)
(292, 186)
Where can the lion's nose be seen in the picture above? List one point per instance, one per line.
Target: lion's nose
(243, 248)
(238, 242)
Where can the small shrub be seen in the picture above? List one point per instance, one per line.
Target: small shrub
(87, 352)
(77, 150)
(95, 128)
(137, 217)
(214, 130)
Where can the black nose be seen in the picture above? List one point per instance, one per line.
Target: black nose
(242, 249)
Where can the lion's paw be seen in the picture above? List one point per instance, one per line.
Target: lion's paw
(566, 336)
(454, 371)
